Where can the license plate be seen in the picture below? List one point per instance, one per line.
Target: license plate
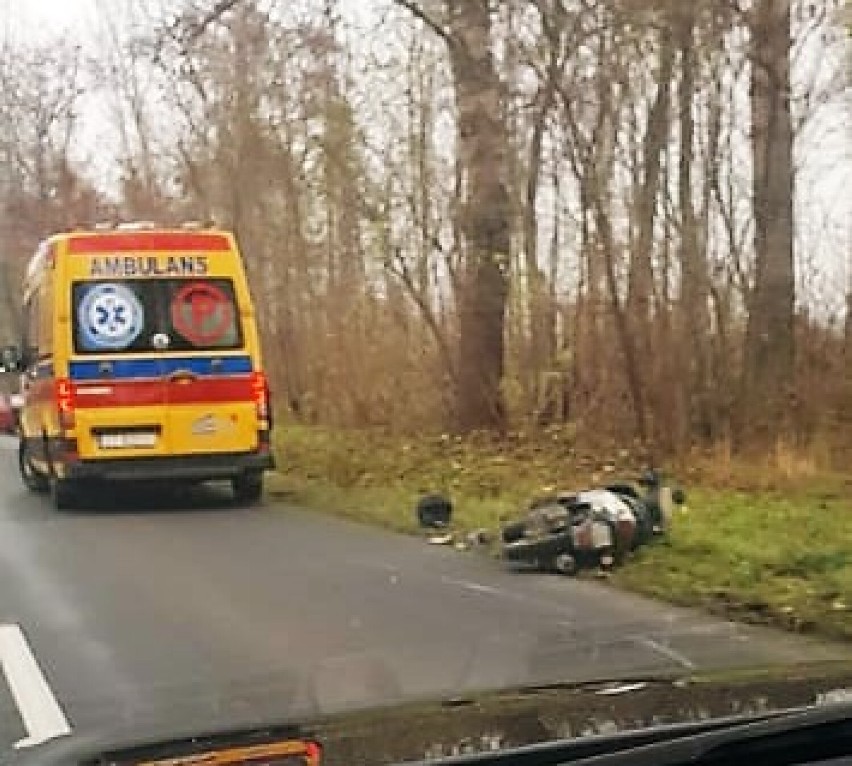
(127, 441)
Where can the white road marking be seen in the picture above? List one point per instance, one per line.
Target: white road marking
(524, 599)
(666, 651)
(39, 710)
(476, 587)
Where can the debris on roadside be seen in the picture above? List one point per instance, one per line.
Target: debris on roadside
(479, 537)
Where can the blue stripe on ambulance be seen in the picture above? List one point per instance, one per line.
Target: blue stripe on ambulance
(122, 369)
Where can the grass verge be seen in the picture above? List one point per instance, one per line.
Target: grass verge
(760, 548)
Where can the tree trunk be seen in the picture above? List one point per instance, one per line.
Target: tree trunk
(485, 222)
(769, 367)
(541, 351)
(637, 310)
(847, 335)
(541, 308)
(694, 287)
(602, 166)
(653, 146)
(847, 327)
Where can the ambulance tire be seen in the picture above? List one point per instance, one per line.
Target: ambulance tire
(248, 488)
(64, 494)
(33, 480)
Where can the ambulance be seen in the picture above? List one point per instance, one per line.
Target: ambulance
(140, 362)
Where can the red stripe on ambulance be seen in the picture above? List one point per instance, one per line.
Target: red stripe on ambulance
(147, 242)
(138, 393)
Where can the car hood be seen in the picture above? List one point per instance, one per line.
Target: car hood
(493, 720)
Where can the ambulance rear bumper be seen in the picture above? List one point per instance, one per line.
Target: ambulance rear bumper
(177, 468)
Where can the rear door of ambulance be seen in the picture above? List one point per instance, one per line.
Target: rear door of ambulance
(163, 345)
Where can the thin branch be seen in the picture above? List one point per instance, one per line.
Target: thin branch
(218, 10)
(420, 14)
(397, 266)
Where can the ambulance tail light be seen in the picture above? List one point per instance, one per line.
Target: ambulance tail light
(260, 394)
(65, 403)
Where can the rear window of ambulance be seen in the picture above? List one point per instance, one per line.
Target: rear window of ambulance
(155, 315)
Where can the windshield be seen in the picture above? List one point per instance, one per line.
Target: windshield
(535, 367)
(155, 315)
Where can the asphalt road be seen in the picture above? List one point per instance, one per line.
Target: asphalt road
(179, 612)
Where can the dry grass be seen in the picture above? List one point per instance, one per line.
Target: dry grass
(783, 466)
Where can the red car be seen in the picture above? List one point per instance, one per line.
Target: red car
(8, 416)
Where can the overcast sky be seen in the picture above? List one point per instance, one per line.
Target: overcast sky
(46, 18)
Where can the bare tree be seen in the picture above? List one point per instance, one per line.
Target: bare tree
(768, 374)
(482, 146)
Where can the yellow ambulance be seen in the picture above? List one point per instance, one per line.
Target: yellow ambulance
(140, 361)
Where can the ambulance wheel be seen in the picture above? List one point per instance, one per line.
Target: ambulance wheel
(64, 494)
(33, 480)
(248, 488)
